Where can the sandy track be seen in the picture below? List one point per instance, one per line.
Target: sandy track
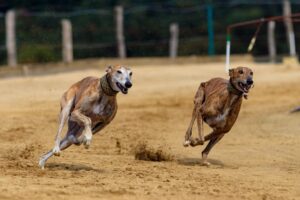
(258, 159)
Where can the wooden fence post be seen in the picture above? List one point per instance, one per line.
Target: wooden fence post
(173, 45)
(119, 16)
(67, 42)
(289, 27)
(10, 23)
(271, 41)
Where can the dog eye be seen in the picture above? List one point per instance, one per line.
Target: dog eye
(119, 72)
(241, 71)
(130, 74)
(251, 73)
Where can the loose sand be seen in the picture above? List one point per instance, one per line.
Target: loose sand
(258, 159)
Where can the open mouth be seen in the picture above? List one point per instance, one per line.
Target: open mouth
(244, 87)
(123, 89)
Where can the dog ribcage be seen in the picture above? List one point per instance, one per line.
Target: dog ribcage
(223, 116)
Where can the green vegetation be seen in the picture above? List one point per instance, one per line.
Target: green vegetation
(146, 27)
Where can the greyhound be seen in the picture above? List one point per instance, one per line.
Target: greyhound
(89, 105)
(217, 103)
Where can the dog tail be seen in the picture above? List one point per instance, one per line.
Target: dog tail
(297, 109)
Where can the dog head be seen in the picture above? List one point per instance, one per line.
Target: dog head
(120, 78)
(241, 78)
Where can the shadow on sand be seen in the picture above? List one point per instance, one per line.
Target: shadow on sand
(71, 167)
(198, 161)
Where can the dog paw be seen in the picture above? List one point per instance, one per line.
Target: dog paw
(193, 142)
(42, 163)
(200, 141)
(56, 151)
(87, 142)
(186, 143)
(205, 163)
(196, 141)
(74, 140)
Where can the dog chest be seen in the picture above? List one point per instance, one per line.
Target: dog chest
(103, 110)
(98, 109)
(221, 118)
(104, 107)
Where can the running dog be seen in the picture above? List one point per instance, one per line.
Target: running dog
(217, 103)
(89, 105)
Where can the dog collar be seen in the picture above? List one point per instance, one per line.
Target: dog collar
(233, 90)
(106, 86)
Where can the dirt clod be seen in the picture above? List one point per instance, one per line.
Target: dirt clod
(144, 152)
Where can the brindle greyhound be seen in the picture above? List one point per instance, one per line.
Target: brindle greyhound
(218, 102)
(89, 105)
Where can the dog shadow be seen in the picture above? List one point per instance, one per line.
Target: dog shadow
(71, 167)
(198, 161)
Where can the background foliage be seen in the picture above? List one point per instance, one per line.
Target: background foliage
(146, 27)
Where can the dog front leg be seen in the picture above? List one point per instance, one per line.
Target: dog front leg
(65, 111)
(209, 146)
(200, 128)
(188, 134)
(198, 101)
(86, 135)
(65, 143)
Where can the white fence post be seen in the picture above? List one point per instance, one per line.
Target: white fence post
(289, 27)
(173, 45)
(10, 23)
(67, 42)
(120, 31)
(271, 41)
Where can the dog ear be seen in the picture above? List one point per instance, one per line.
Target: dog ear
(231, 72)
(109, 69)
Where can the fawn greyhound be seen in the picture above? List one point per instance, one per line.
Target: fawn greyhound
(218, 102)
(89, 105)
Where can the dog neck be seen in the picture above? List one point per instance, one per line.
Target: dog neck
(106, 86)
(232, 89)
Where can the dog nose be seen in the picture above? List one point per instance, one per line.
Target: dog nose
(249, 81)
(128, 84)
